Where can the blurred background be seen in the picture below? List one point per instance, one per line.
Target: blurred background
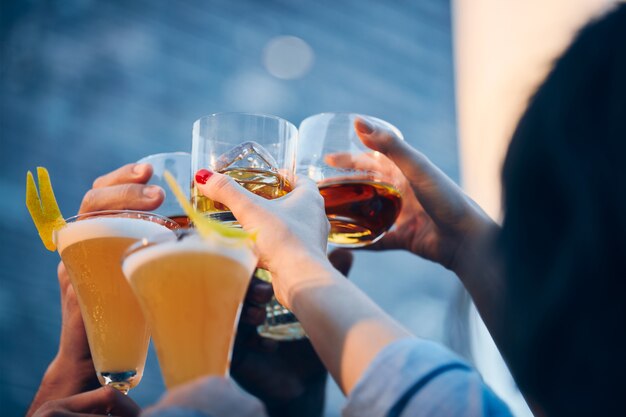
(88, 86)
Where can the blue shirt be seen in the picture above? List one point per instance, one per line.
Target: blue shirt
(415, 377)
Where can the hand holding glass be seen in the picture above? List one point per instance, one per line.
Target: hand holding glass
(359, 188)
(91, 246)
(258, 151)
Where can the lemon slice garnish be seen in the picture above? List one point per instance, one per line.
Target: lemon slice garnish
(205, 226)
(43, 207)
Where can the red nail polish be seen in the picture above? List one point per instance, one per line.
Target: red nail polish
(203, 175)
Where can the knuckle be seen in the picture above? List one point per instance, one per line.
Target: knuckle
(127, 192)
(387, 142)
(98, 182)
(88, 200)
(221, 184)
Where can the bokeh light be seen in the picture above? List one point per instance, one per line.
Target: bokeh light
(288, 57)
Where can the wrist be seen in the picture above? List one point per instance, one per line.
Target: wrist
(298, 273)
(473, 250)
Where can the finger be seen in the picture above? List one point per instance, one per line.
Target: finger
(69, 301)
(339, 160)
(123, 197)
(259, 292)
(102, 400)
(130, 173)
(254, 315)
(431, 186)
(64, 278)
(391, 241)
(345, 160)
(342, 260)
(306, 188)
(305, 184)
(224, 189)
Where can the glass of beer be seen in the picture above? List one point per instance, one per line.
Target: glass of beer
(179, 165)
(191, 290)
(258, 151)
(91, 246)
(359, 185)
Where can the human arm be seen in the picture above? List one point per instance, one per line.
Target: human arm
(438, 221)
(346, 328)
(287, 376)
(382, 368)
(71, 371)
(357, 341)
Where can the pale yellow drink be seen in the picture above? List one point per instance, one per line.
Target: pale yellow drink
(191, 291)
(118, 335)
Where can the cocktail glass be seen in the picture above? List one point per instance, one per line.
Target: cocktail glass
(91, 246)
(359, 185)
(191, 289)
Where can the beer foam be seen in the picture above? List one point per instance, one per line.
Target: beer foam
(191, 244)
(106, 226)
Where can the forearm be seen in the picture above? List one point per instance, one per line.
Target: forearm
(346, 328)
(62, 379)
(478, 268)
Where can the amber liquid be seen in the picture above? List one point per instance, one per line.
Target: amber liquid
(267, 184)
(182, 221)
(191, 301)
(116, 329)
(359, 211)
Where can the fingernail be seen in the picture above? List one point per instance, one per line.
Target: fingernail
(139, 169)
(151, 191)
(363, 126)
(203, 175)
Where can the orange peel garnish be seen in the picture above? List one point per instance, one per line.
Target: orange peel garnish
(205, 226)
(43, 207)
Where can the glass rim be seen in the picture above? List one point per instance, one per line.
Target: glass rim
(246, 254)
(236, 113)
(362, 115)
(359, 177)
(157, 239)
(161, 154)
(142, 215)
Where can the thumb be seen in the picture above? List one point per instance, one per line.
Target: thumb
(102, 400)
(224, 189)
(435, 191)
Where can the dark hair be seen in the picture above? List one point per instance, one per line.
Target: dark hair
(563, 239)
